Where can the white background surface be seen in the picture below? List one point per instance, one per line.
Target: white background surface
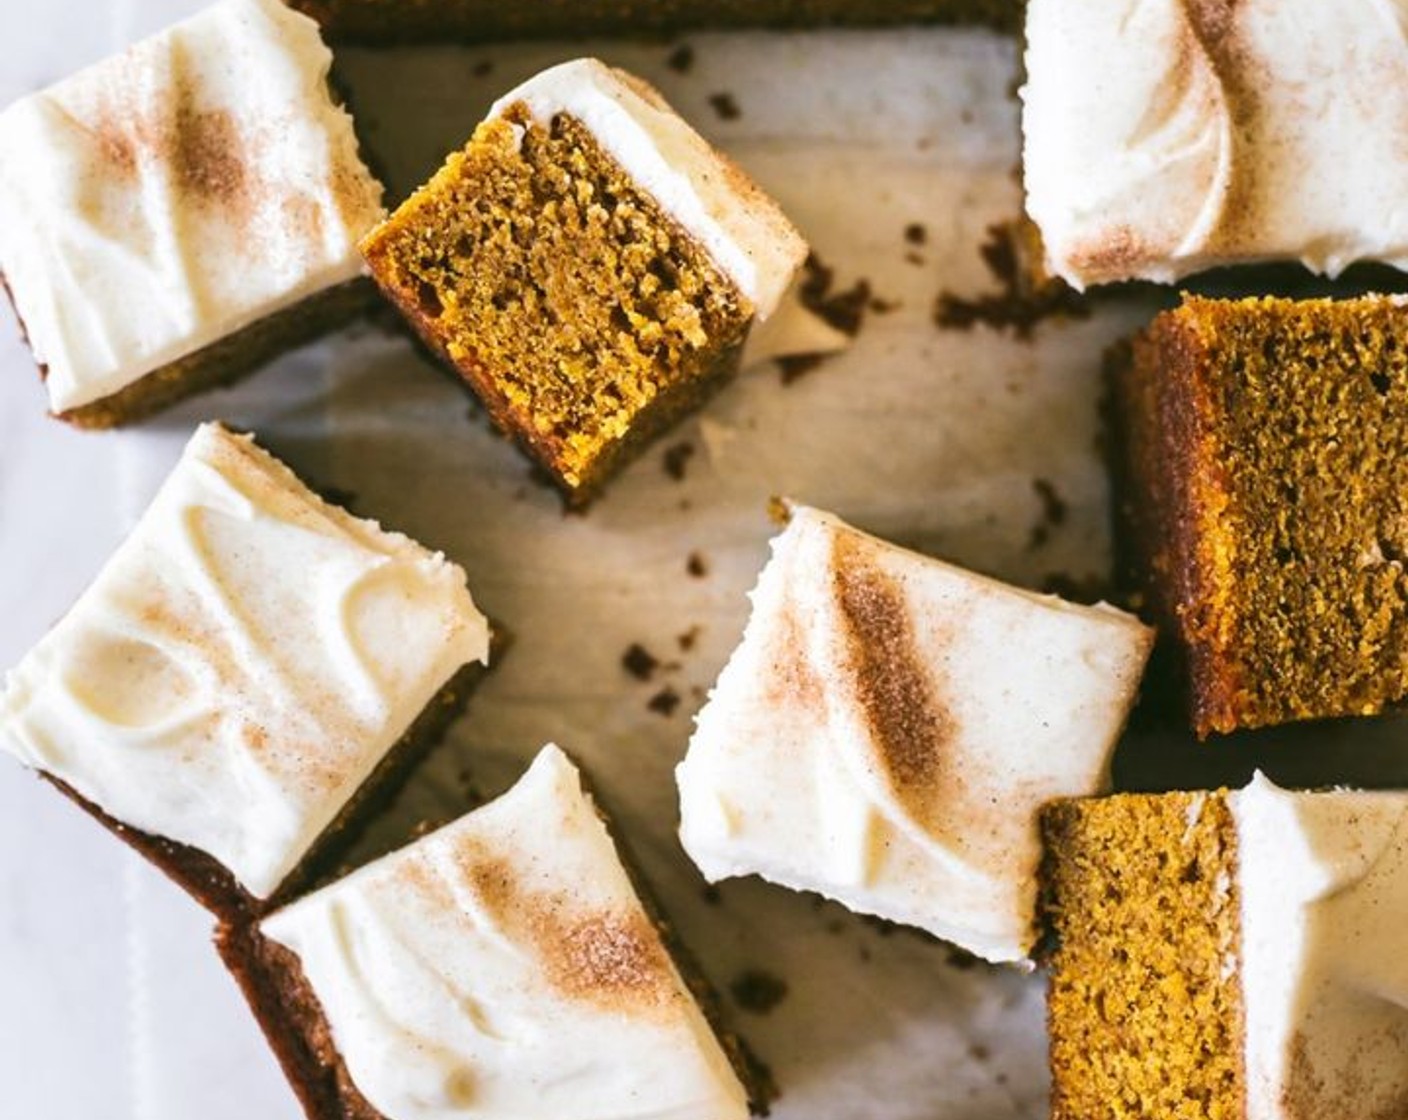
(112, 1004)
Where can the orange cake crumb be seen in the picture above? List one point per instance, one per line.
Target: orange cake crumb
(579, 312)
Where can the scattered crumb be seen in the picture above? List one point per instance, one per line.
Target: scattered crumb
(639, 662)
(696, 565)
(677, 459)
(978, 1052)
(916, 233)
(1021, 301)
(1053, 514)
(483, 68)
(758, 991)
(915, 258)
(726, 106)
(681, 59)
(883, 306)
(845, 311)
(689, 638)
(665, 701)
(795, 366)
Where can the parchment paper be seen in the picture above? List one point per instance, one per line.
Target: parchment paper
(971, 445)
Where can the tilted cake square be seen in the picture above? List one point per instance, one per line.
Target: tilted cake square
(502, 966)
(890, 726)
(589, 266)
(244, 675)
(177, 213)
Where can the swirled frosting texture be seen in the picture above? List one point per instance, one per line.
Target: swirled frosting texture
(170, 195)
(1323, 881)
(740, 227)
(1164, 137)
(503, 967)
(241, 664)
(889, 727)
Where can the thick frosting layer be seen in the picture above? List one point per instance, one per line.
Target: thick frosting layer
(503, 967)
(1323, 883)
(742, 229)
(889, 727)
(1164, 137)
(168, 196)
(241, 664)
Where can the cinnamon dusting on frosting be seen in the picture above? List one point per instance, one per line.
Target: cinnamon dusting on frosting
(1118, 251)
(791, 681)
(912, 727)
(611, 959)
(207, 153)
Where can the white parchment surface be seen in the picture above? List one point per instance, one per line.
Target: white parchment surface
(971, 445)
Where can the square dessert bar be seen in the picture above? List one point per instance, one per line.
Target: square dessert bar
(245, 675)
(588, 264)
(375, 22)
(1165, 139)
(498, 968)
(889, 728)
(1265, 449)
(1236, 955)
(178, 213)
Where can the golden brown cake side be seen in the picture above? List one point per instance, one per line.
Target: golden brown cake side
(378, 22)
(584, 318)
(1267, 444)
(1144, 1005)
(1172, 496)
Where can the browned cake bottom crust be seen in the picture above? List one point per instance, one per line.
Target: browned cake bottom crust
(213, 885)
(1144, 1002)
(379, 22)
(292, 1019)
(225, 361)
(293, 1022)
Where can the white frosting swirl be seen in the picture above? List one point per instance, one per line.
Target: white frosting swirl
(1164, 137)
(502, 967)
(1323, 881)
(241, 664)
(740, 227)
(162, 199)
(889, 727)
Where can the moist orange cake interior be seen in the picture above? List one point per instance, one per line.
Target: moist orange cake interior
(1268, 445)
(580, 312)
(1145, 1011)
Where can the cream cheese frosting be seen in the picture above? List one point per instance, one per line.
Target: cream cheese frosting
(503, 967)
(241, 664)
(889, 727)
(740, 227)
(1323, 886)
(1164, 137)
(161, 200)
